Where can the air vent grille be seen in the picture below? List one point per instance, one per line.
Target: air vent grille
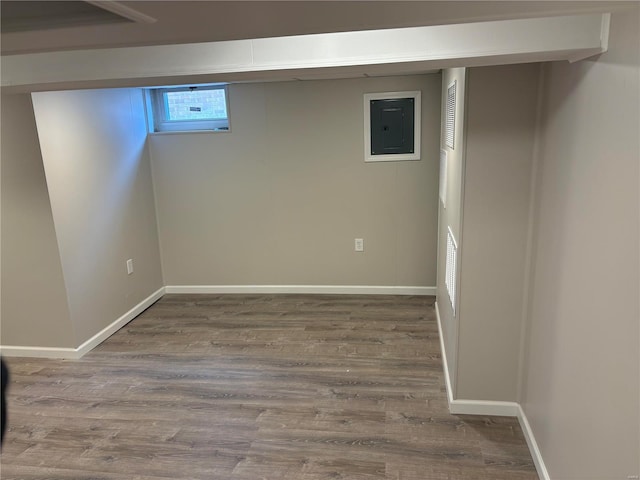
(450, 126)
(450, 270)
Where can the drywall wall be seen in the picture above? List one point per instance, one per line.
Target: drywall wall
(500, 134)
(34, 301)
(451, 216)
(280, 199)
(581, 390)
(97, 168)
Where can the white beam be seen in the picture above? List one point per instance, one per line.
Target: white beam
(472, 44)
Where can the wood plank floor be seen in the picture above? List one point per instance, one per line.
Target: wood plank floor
(249, 387)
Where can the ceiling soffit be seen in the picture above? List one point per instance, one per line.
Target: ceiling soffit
(356, 53)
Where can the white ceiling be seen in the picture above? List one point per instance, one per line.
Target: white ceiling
(207, 21)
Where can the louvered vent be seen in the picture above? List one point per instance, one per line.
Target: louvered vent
(450, 126)
(450, 270)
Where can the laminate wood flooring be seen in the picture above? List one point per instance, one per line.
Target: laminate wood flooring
(249, 387)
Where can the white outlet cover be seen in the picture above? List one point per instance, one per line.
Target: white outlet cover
(359, 244)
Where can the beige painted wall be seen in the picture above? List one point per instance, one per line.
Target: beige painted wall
(34, 301)
(487, 209)
(451, 216)
(280, 199)
(500, 135)
(582, 380)
(97, 168)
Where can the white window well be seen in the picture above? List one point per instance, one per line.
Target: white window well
(188, 108)
(392, 126)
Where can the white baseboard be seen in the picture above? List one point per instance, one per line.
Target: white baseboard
(310, 289)
(75, 353)
(101, 336)
(40, 352)
(485, 407)
(445, 365)
(109, 330)
(533, 445)
(471, 407)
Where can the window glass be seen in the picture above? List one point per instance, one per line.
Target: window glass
(195, 104)
(188, 108)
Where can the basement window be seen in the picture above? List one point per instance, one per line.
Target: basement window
(188, 108)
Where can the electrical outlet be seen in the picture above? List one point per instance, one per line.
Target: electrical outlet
(129, 266)
(359, 245)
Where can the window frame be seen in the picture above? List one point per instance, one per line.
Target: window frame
(158, 115)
